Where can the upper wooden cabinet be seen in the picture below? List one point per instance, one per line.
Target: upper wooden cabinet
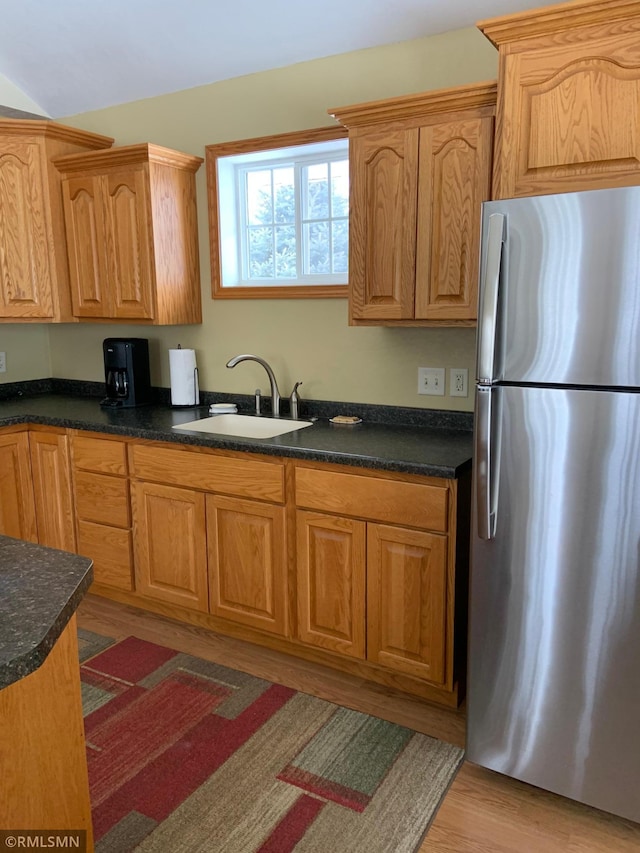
(132, 241)
(568, 115)
(420, 167)
(34, 276)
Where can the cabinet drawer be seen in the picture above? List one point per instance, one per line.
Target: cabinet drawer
(100, 455)
(110, 550)
(200, 470)
(409, 504)
(102, 499)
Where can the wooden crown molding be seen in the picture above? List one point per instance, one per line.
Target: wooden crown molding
(279, 140)
(127, 155)
(553, 19)
(425, 103)
(53, 130)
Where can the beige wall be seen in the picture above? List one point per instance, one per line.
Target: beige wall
(27, 352)
(306, 340)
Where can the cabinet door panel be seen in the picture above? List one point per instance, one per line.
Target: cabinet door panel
(26, 265)
(129, 234)
(382, 228)
(407, 601)
(102, 498)
(247, 562)
(17, 510)
(455, 178)
(52, 490)
(331, 570)
(170, 544)
(110, 550)
(101, 455)
(570, 114)
(84, 222)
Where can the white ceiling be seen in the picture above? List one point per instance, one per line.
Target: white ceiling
(71, 56)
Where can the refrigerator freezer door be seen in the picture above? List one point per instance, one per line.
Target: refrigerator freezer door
(554, 673)
(569, 294)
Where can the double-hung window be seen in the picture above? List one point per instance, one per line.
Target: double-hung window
(279, 215)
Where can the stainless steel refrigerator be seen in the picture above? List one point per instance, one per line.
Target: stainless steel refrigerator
(554, 638)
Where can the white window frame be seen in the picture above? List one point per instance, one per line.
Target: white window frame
(227, 163)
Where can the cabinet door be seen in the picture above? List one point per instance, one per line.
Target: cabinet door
(26, 263)
(570, 112)
(331, 571)
(383, 167)
(129, 231)
(247, 562)
(85, 230)
(407, 600)
(52, 489)
(170, 544)
(454, 180)
(17, 510)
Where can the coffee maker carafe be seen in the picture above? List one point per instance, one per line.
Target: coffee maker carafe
(126, 372)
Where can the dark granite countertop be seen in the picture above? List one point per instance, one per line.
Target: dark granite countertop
(436, 447)
(40, 590)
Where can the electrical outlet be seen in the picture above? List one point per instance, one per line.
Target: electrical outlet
(458, 382)
(431, 380)
(3, 362)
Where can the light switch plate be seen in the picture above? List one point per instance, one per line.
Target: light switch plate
(431, 380)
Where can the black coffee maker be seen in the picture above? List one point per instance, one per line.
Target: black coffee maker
(126, 372)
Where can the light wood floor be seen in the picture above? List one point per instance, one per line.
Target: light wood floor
(483, 812)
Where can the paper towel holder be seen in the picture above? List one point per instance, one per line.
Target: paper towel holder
(180, 384)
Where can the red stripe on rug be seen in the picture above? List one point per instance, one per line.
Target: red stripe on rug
(165, 782)
(143, 730)
(210, 754)
(131, 659)
(293, 826)
(160, 787)
(108, 711)
(347, 797)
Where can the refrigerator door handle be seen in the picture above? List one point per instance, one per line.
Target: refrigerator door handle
(489, 287)
(485, 463)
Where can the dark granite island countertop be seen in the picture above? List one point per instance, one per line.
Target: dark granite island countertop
(40, 590)
(436, 447)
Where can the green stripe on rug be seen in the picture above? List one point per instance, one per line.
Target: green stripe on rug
(354, 750)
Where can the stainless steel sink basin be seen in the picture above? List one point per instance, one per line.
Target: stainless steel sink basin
(244, 426)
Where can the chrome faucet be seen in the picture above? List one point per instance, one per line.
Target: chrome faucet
(275, 394)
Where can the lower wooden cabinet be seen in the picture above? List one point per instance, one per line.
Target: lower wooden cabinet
(407, 601)
(376, 570)
(331, 582)
(362, 570)
(17, 508)
(373, 592)
(102, 508)
(247, 562)
(50, 467)
(170, 544)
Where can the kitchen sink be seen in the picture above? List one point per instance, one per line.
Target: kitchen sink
(244, 426)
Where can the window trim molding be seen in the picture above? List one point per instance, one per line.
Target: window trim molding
(246, 146)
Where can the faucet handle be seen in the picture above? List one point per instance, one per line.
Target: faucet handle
(294, 401)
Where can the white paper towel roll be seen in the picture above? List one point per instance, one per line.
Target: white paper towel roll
(184, 377)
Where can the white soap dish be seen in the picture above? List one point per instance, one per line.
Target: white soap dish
(223, 409)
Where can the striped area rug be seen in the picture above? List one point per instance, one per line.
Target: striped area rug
(186, 755)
